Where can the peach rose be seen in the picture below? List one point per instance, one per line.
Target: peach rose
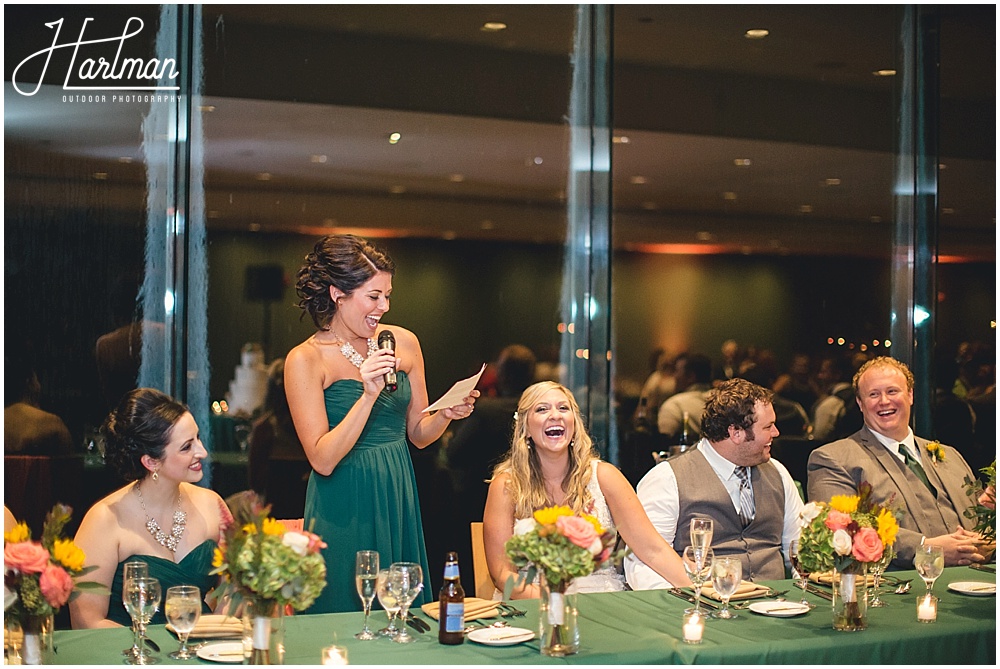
(867, 545)
(27, 556)
(580, 532)
(837, 520)
(56, 585)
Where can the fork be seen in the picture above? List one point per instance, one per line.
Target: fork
(509, 611)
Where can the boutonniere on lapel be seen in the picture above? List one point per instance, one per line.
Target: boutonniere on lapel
(935, 450)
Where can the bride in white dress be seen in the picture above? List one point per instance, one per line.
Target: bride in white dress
(552, 462)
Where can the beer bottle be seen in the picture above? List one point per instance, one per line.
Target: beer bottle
(686, 439)
(451, 604)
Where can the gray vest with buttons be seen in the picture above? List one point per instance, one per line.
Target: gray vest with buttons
(701, 494)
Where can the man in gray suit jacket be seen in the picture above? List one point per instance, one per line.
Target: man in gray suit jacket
(926, 484)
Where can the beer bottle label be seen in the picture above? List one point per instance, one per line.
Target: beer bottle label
(451, 570)
(454, 617)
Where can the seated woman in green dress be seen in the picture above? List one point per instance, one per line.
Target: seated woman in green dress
(362, 492)
(160, 517)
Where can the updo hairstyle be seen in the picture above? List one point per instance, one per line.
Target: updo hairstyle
(343, 261)
(140, 425)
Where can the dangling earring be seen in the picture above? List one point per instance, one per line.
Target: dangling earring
(530, 442)
(156, 475)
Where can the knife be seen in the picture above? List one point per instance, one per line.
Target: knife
(819, 593)
(417, 624)
(983, 567)
(677, 592)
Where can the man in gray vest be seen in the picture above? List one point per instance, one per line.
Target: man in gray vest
(924, 478)
(730, 478)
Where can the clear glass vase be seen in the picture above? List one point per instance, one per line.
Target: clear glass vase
(264, 623)
(850, 598)
(557, 620)
(30, 639)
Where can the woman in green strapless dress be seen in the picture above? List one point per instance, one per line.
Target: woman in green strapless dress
(362, 493)
(161, 517)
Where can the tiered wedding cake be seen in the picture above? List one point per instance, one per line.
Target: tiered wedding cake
(247, 391)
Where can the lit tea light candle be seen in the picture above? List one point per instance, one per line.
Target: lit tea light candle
(694, 626)
(927, 608)
(335, 655)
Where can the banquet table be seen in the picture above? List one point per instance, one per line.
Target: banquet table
(645, 628)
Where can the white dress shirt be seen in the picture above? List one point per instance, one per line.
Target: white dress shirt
(892, 445)
(660, 498)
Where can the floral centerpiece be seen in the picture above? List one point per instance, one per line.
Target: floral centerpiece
(271, 569)
(845, 536)
(40, 577)
(984, 507)
(557, 545)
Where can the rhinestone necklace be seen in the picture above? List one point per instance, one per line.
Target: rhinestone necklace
(352, 354)
(176, 531)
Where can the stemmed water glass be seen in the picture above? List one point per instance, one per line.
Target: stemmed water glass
(701, 532)
(878, 568)
(182, 607)
(388, 601)
(365, 577)
(142, 599)
(698, 566)
(929, 562)
(802, 575)
(405, 582)
(131, 570)
(727, 574)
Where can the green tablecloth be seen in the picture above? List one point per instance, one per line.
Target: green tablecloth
(644, 628)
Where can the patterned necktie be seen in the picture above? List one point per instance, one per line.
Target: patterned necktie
(746, 495)
(915, 467)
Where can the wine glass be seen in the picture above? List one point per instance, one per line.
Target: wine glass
(182, 607)
(701, 532)
(130, 570)
(365, 577)
(727, 574)
(698, 565)
(405, 582)
(388, 601)
(878, 568)
(929, 562)
(242, 432)
(143, 600)
(802, 575)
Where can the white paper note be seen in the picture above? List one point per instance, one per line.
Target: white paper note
(456, 393)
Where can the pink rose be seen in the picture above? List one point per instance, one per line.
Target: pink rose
(26, 556)
(579, 531)
(867, 545)
(56, 585)
(837, 520)
(316, 544)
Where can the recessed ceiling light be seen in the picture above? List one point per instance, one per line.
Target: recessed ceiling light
(884, 73)
(206, 108)
(947, 210)
(942, 166)
(254, 227)
(449, 234)
(704, 236)
(100, 176)
(639, 180)
(214, 213)
(493, 26)
(649, 206)
(317, 158)
(831, 182)
(486, 225)
(729, 195)
(396, 190)
(875, 219)
(756, 33)
(806, 208)
(395, 137)
(537, 160)
(263, 176)
(329, 222)
(620, 139)
(456, 178)
(125, 160)
(742, 162)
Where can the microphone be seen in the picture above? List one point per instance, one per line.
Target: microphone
(387, 341)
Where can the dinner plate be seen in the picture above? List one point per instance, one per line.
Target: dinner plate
(974, 588)
(230, 652)
(500, 636)
(779, 609)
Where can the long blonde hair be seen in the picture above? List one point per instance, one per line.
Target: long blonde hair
(525, 484)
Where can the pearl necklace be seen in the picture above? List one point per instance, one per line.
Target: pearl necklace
(176, 531)
(352, 354)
